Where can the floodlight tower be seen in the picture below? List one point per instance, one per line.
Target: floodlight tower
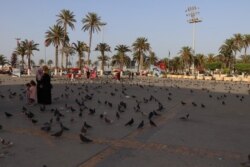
(192, 12)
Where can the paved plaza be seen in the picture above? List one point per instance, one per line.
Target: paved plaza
(215, 134)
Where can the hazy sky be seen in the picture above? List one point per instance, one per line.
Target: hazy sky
(162, 22)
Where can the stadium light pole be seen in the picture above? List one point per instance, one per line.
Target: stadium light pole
(104, 24)
(192, 12)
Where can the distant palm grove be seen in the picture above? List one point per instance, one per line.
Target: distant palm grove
(232, 55)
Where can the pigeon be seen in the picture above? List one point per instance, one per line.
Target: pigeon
(150, 115)
(8, 115)
(117, 115)
(87, 125)
(194, 104)
(141, 125)
(83, 129)
(91, 111)
(63, 127)
(183, 103)
(46, 128)
(107, 120)
(203, 106)
(84, 139)
(184, 118)
(152, 123)
(130, 123)
(58, 134)
(34, 121)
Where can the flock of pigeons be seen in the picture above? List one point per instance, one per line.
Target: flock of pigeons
(82, 101)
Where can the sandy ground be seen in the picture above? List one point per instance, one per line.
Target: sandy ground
(215, 135)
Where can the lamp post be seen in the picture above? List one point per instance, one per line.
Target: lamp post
(104, 24)
(17, 44)
(192, 13)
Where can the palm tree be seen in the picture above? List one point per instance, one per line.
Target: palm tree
(65, 18)
(246, 43)
(41, 62)
(50, 62)
(141, 46)
(55, 36)
(13, 60)
(30, 46)
(199, 62)
(210, 58)
(69, 51)
(103, 47)
(3, 60)
(227, 50)
(21, 51)
(238, 42)
(80, 47)
(176, 64)
(91, 23)
(186, 56)
(136, 58)
(151, 59)
(121, 56)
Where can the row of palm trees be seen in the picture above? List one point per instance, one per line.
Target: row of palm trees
(26, 48)
(142, 53)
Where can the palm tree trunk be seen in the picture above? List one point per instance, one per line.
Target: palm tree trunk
(22, 61)
(90, 39)
(29, 68)
(67, 59)
(79, 61)
(141, 61)
(64, 42)
(56, 59)
(102, 66)
(138, 66)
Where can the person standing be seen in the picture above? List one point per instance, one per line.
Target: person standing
(32, 92)
(39, 75)
(46, 87)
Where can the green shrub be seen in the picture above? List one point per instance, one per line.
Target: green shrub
(213, 66)
(242, 67)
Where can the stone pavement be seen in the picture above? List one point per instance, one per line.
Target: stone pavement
(216, 135)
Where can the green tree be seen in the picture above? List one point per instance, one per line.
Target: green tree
(30, 46)
(91, 23)
(3, 60)
(103, 47)
(141, 46)
(151, 59)
(65, 19)
(199, 62)
(121, 58)
(68, 51)
(13, 60)
(80, 47)
(21, 51)
(50, 62)
(246, 43)
(227, 50)
(41, 62)
(186, 56)
(210, 58)
(55, 36)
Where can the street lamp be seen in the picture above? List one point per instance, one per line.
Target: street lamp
(192, 13)
(104, 24)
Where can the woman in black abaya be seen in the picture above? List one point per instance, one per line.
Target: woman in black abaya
(45, 87)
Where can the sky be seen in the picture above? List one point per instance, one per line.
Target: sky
(162, 22)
